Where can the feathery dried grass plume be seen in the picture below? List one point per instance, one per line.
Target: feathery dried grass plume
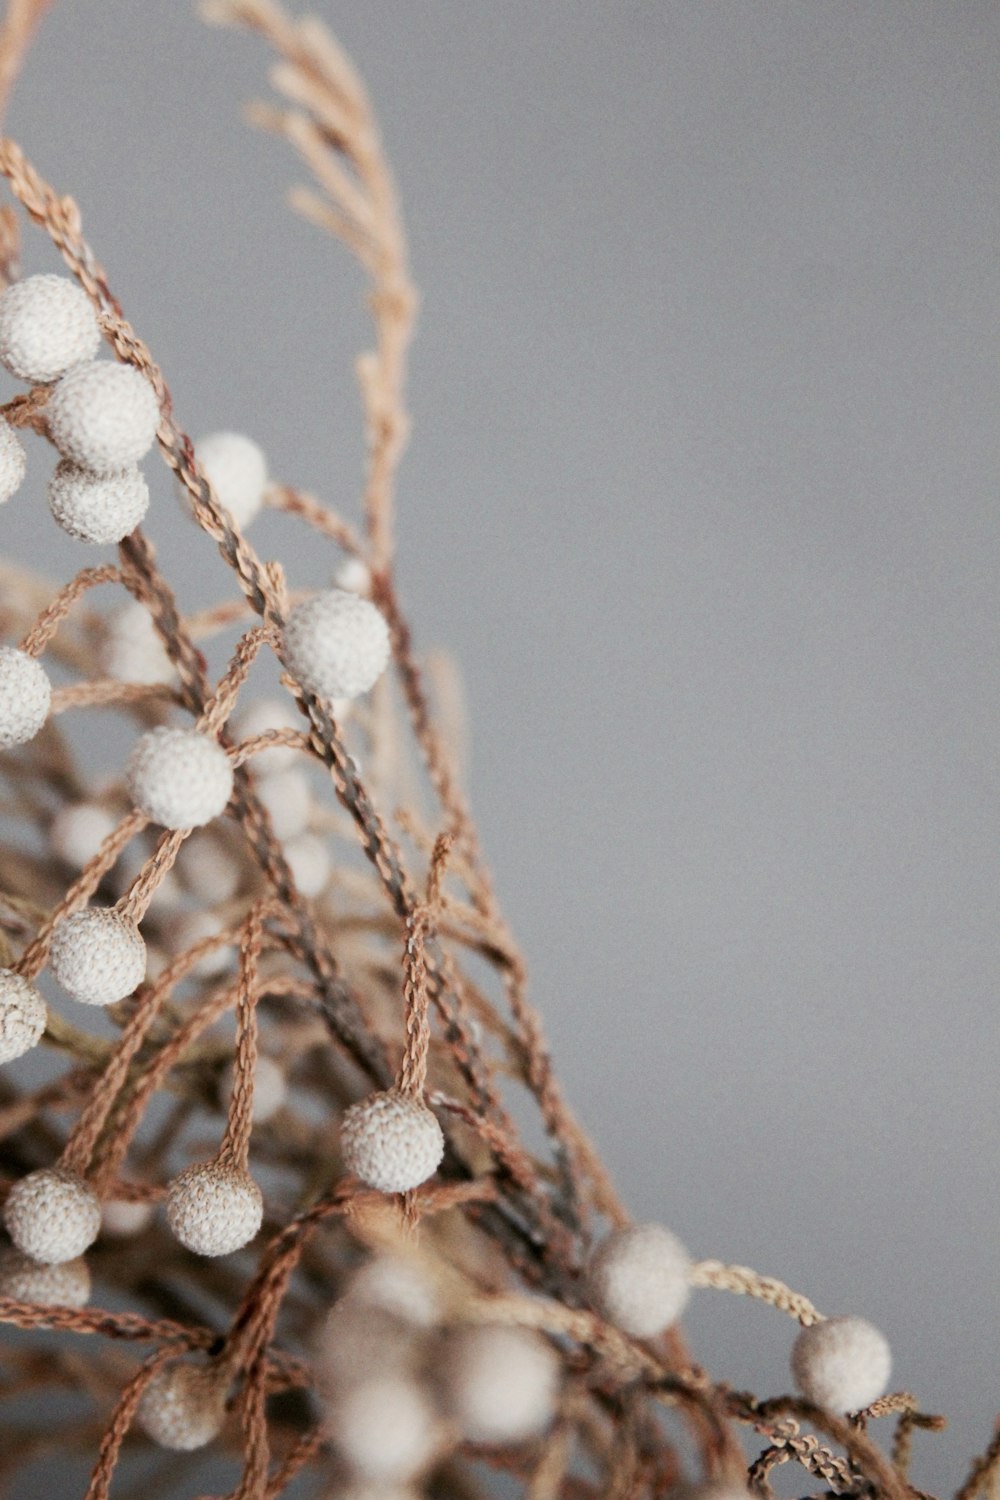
(314, 1238)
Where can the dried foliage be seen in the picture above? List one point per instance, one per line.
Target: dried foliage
(397, 972)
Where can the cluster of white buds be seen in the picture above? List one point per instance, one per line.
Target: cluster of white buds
(98, 955)
(184, 1405)
(25, 697)
(214, 1208)
(391, 1141)
(22, 1015)
(180, 778)
(236, 469)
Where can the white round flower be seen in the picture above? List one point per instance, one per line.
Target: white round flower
(638, 1278)
(184, 1406)
(121, 1218)
(842, 1364)
(22, 1015)
(397, 1285)
(98, 956)
(214, 1209)
(353, 575)
(179, 778)
(236, 469)
(131, 649)
(13, 461)
(47, 324)
(52, 1215)
(26, 1280)
(384, 1428)
(103, 416)
(359, 1342)
(270, 1089)
(309, 861)
(500, 1383)
(25, 697)
(391, 1141)
(98, 507)
(78, 831)
(336, 644)
(287, 796)
(260, 717)
(191, 927)
(208, 868)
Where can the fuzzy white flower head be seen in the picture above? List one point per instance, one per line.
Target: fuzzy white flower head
(131, 649)
(842, 1364)
(184, 1406)
(103, 416)
(336, 644)
(121, 1218)
(98, 508)
(214, 1209)
(384, 1428)
(397, 1285)
(25, 697)
(353, 575)
(98, 956)
(309, 861)
(191, 927)
(288, 798)
(25, 1280)
(638, 1279)
(260, 717)
(180, 778)
(236, 469)
(52, 1215)
(13, 461)
(391, 1141)
(270, 1089)
(500, 1384)
(22, 1015)
(208, 868)
(78, 831)
(47, 324)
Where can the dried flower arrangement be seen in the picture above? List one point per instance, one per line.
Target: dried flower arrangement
(370, 1286)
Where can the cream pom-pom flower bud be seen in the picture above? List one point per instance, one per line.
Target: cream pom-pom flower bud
(500, 1384)
(236, 469)
(638, 1279)
(97, 508)
(130, 648)
(208, 868)
(270, 1089)
(103, 416)
(842, 1364)
(261, 717)
(288, 798)
(336, 644)
(22, 1015)
(309, 861)
(25, 697)
(52, 1215)
(98, 955)
(214, 1208)
(26, 1280)
(391, 1141)
(180, 778)
(121, 1218)
(384, 1427)
(184, 1405)
(78, 831)
(399, 1286)
(47, 324)
(187, 928)
(13, 461)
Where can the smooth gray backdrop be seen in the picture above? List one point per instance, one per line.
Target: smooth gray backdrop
(702, 493)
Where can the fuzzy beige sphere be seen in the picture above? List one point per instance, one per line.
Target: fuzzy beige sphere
(500, 1384)
(384, 1427)
(97, 508)
(214, 1209)
(47, 324)
(25, 697)
(184, 1405)
(337, 644)
(180, 778)
(236, 469)
(638, 1279)
(27, 1280)
(103, 416)
(98, 956)
(52, 1215)
(391, 1141)
(842, 1364)
(22, 1015)
(13, 461)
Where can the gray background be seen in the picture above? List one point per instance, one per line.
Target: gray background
(700, 491)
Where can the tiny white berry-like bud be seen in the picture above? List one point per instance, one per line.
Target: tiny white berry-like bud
(270, 1089)
(52, 1215)
(47, 324)
(78, 832)
(500, 1383)
(353, 575)
(214, 1209)
(397, 1285)
(131, 649)
(103, 416)
(336, 644)
(842, 1364)
(26, 1280)
(361, 1342)
(391, 1141)
(123, 1217)
(98, 507)
(98, 956)
(25, 697)
(236, 469)
(13, 461)
(208, 868)
(179, 778)
(288, 798)
(309, 861)
(384, 1428)
(22, 1016)
(638, 1279)
(261, 717)
(184, 1406)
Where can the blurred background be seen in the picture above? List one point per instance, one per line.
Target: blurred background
(701, 494)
